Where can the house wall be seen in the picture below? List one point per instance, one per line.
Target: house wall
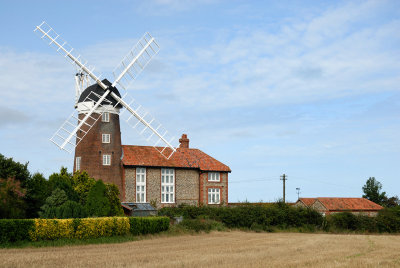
(222, 185)
(186, 186)
(300, 204)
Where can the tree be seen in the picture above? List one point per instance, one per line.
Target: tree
(11, 169)
(97, 203)
(112, 193)
(12, 204)
(37, 190)
(57, 198)
(391, 202)
(82, 184)
(63, 180)
(372, 191)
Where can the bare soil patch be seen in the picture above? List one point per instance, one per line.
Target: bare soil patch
(220, 249)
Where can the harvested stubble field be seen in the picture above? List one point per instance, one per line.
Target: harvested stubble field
(220, 249)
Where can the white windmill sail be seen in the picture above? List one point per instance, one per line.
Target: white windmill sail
(131, 66)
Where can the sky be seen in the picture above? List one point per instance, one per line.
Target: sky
(309, 89)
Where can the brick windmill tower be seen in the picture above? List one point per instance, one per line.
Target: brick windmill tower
(93, 129)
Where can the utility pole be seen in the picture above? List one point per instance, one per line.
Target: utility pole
(284, 178)
(298, 193)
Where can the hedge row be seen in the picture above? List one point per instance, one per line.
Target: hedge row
(12, 230)
(387, 221)
(279, 214)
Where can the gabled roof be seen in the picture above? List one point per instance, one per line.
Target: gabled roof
(341, 203)
(147, 156)
(307, 201)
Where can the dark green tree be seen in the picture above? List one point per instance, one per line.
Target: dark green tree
(12, 205)
(63, 181)
(11, 169)
(112, 193)
(71, 209)
(97, 203)
(37, 190)
(372, 191)
(391, 202)
(57, 198)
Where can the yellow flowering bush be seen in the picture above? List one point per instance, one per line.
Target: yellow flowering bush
(50, 229)
(105, 226)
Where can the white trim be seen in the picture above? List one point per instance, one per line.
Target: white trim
(214, 195)
(167, 185)
(214, 176)
(105, 138)
(141, 185)
(77, 163)
(106, 160)
(84, 107)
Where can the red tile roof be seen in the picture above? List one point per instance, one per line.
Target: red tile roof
(340, 203)
(307, 201)
(148, 156)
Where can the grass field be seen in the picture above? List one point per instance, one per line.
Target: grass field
(220, 249)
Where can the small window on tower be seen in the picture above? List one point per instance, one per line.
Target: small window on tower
(105, 138)
(106, 160)
(77, 163)
(105, 117)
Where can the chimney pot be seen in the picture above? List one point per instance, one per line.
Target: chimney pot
(184, 141)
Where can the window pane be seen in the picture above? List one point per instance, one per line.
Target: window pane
(166, 198)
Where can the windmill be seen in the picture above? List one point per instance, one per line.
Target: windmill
(103, 96)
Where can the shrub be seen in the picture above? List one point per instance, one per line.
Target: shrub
(199, 225)
(97, 203)
(148, 225)
(99, 227)
(50, 229)
(12, 230)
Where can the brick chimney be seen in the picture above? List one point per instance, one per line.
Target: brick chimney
(184, 141)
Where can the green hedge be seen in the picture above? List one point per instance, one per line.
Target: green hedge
(247, 215)
(12, 230)
(387, 221)
(148, 225)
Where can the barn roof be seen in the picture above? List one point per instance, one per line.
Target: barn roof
(341, 203)
(307, 201)
(147, 156)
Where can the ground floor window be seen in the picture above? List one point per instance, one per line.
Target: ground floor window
(106, 160)
(77, 163)
(167, 185)
(141, 185)
(213, 195)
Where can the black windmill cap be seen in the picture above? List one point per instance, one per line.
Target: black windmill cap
(99, 91)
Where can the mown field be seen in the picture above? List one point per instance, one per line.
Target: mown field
(220, 249)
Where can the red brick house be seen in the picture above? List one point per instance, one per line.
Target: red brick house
(331, 205)
(190, 176)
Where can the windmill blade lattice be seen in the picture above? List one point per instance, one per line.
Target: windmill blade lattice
(136, 60)
(131, 66)
(68, 131)
(153, 132)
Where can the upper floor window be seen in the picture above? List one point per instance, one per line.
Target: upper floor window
(213, 176)
(105, 138)
(141, 185)
(106, 160)
(77, 163)
(167, 185)
(213, 195)
(105, 117)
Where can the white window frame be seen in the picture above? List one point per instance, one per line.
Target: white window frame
(106, 160)
(214, 176)
(167, 185)
(141, 185)
(105, 117)
(214, 196)
(78, 163)
(105, 138)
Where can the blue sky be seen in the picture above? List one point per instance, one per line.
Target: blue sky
(309, 88)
